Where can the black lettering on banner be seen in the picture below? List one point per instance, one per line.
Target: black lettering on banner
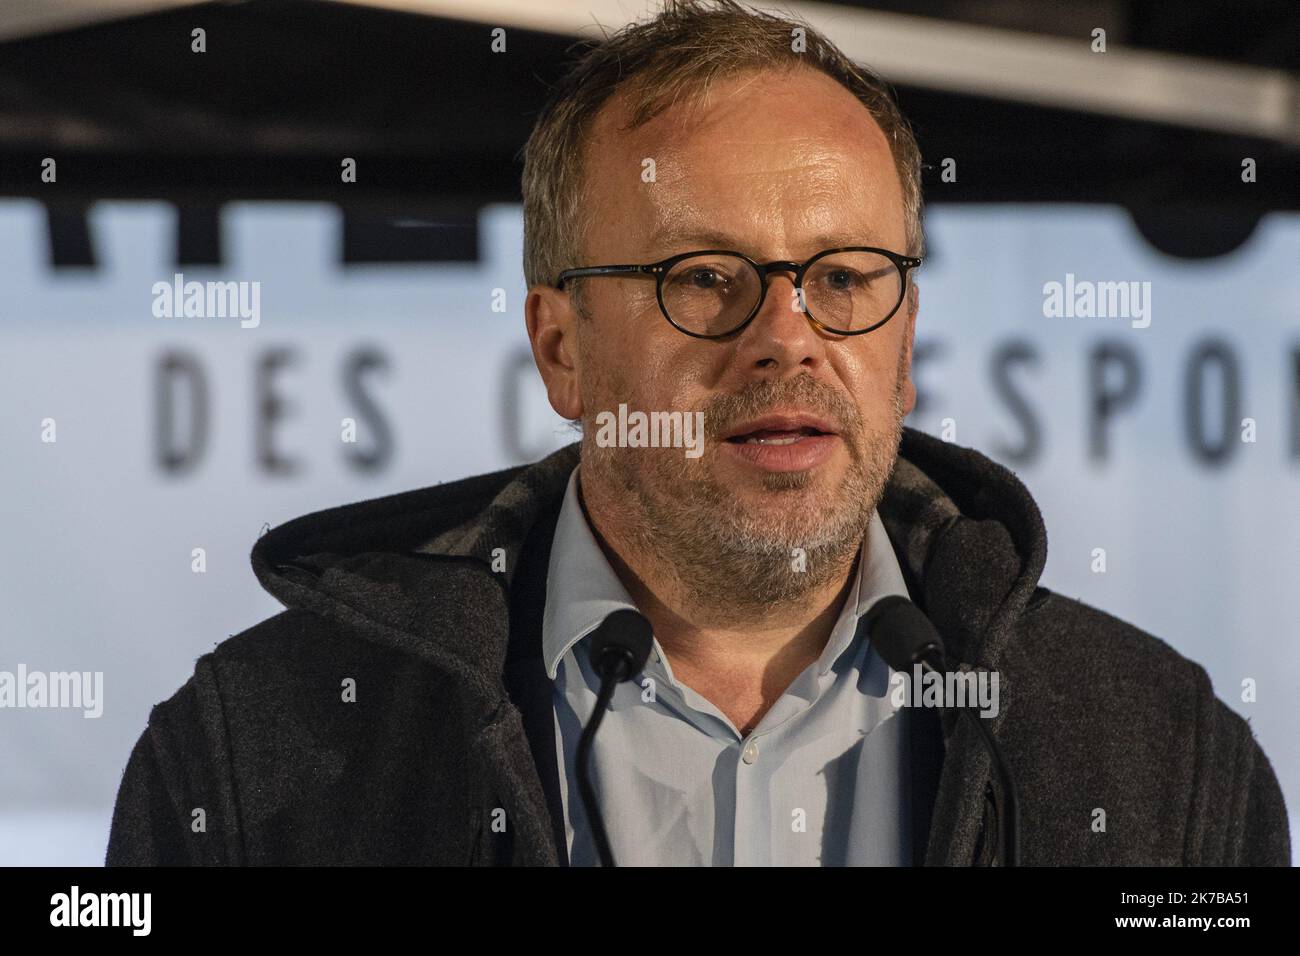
(178, 369)
(1213, 352)
(355, 366)
(1017, 351)
(270, 408)
(1105, 401)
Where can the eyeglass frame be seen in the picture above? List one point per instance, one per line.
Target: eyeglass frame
(904, 265)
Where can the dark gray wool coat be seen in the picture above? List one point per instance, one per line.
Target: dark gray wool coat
(451, 720)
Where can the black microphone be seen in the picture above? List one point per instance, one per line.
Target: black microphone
(618, 651)
(904, 637)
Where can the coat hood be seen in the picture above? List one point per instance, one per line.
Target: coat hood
(968, 536)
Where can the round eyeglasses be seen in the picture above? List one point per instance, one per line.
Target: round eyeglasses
(714, 293)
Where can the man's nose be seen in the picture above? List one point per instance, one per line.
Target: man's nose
(780, 338)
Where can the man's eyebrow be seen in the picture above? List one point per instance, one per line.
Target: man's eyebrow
(675, 238)
(676, 234)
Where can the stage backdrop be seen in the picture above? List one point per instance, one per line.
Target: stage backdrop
(1151, 405)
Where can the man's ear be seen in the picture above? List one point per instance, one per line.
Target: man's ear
(552, 327)
(909, 338)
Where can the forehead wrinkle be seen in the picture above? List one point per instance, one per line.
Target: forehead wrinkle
(821, 184)
(686, 236)
(824, 166)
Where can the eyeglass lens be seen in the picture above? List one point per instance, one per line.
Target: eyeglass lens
(713, 294)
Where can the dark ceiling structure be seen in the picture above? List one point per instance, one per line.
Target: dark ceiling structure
(436, 120)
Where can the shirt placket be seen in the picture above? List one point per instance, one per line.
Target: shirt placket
(752, 834)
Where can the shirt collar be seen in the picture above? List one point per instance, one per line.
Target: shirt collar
(878, 575)
(582, 588)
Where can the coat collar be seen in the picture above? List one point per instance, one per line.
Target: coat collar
(968, 536)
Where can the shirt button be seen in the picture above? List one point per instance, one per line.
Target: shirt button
(750, 753)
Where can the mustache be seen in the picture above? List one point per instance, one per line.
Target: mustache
(803, 392)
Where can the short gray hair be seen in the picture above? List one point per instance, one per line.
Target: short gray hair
(676, 56)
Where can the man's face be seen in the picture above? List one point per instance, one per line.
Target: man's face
(777, 166)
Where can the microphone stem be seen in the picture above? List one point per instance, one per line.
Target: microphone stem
(1008, 812)
(594, 818)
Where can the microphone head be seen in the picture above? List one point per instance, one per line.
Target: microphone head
(621, 644)
(901, 633)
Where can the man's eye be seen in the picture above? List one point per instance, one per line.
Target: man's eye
(704, 278)
(846, 280)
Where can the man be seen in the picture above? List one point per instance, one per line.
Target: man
(721, 226)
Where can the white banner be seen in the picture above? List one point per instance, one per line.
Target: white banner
(1152, 406)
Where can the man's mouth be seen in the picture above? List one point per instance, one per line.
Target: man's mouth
(786, 441)
(770, 437)
(779, 429)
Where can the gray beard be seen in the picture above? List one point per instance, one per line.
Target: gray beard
(727, 561)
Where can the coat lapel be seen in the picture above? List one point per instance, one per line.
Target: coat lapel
(529, 687)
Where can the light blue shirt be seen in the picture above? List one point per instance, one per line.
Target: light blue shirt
(820, 781)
